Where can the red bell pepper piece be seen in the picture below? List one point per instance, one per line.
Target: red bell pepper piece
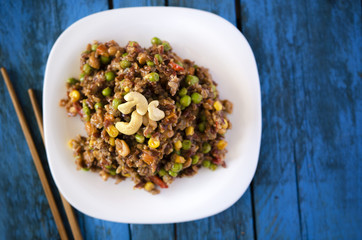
(158, 181)
(175, 66)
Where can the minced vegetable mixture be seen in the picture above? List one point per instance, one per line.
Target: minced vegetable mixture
(149, 115)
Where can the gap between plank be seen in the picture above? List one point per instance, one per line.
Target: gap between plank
(239, 26)
(110, 4)
(175, 227)
(129, 231)
(253, 210)
(298, 196)
(238, 15)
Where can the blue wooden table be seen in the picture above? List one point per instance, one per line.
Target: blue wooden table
(308, 184)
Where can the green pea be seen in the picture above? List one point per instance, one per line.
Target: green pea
(191, 80)
(156, 41)
(112, 172)
(162, 172)
(140, 138)
(105, 60)
(106, 92)
(206, 163)
(182, 92)
(110, 76)
(166, 46)
(94, 47)
(72, 81)
(206, 147)
(185, 101)
(81, 77)
(201, 127)
(87, 69)
(173, 174)
(86, 110)
(186, 144)
(153, 77)
(125, 64)
(108, 166)
(150, 63)
(213, 166)
(85, 169)
(116, 102)
(124, 54)
(196, 97)
(177, 167)
(195, 159)
(159, 58)
(98, 105)
(213, 88)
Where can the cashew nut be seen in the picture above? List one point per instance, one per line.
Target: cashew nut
(134, 99)
(122, 148)
(126, 108)
(154, 113)
(131, 127)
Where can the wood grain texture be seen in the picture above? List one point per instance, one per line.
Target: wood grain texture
(272, 30)
(225, 9)
(308, 183)
(329, 112)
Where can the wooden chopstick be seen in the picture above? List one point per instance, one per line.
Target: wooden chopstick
(35, 155)
(67, 207)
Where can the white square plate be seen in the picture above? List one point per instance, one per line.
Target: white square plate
(203, 37)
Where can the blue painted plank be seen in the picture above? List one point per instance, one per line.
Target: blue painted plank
(137, 3)
(328, 148)
(225, 9)
(310, 71)
(99, 229)
(272, 29)
(237, 221)
(234, 223)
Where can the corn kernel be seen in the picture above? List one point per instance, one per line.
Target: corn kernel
(153, 143)
(189, 131)
(112, 141)
(91, 143)
(178, 145)
(70, 143)
(112, 131)
(218, 106)
(221, 144)
(126, 175)
(180, 159)
(126, 89)
(226, 124)
(74, 95)
(149, 186)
